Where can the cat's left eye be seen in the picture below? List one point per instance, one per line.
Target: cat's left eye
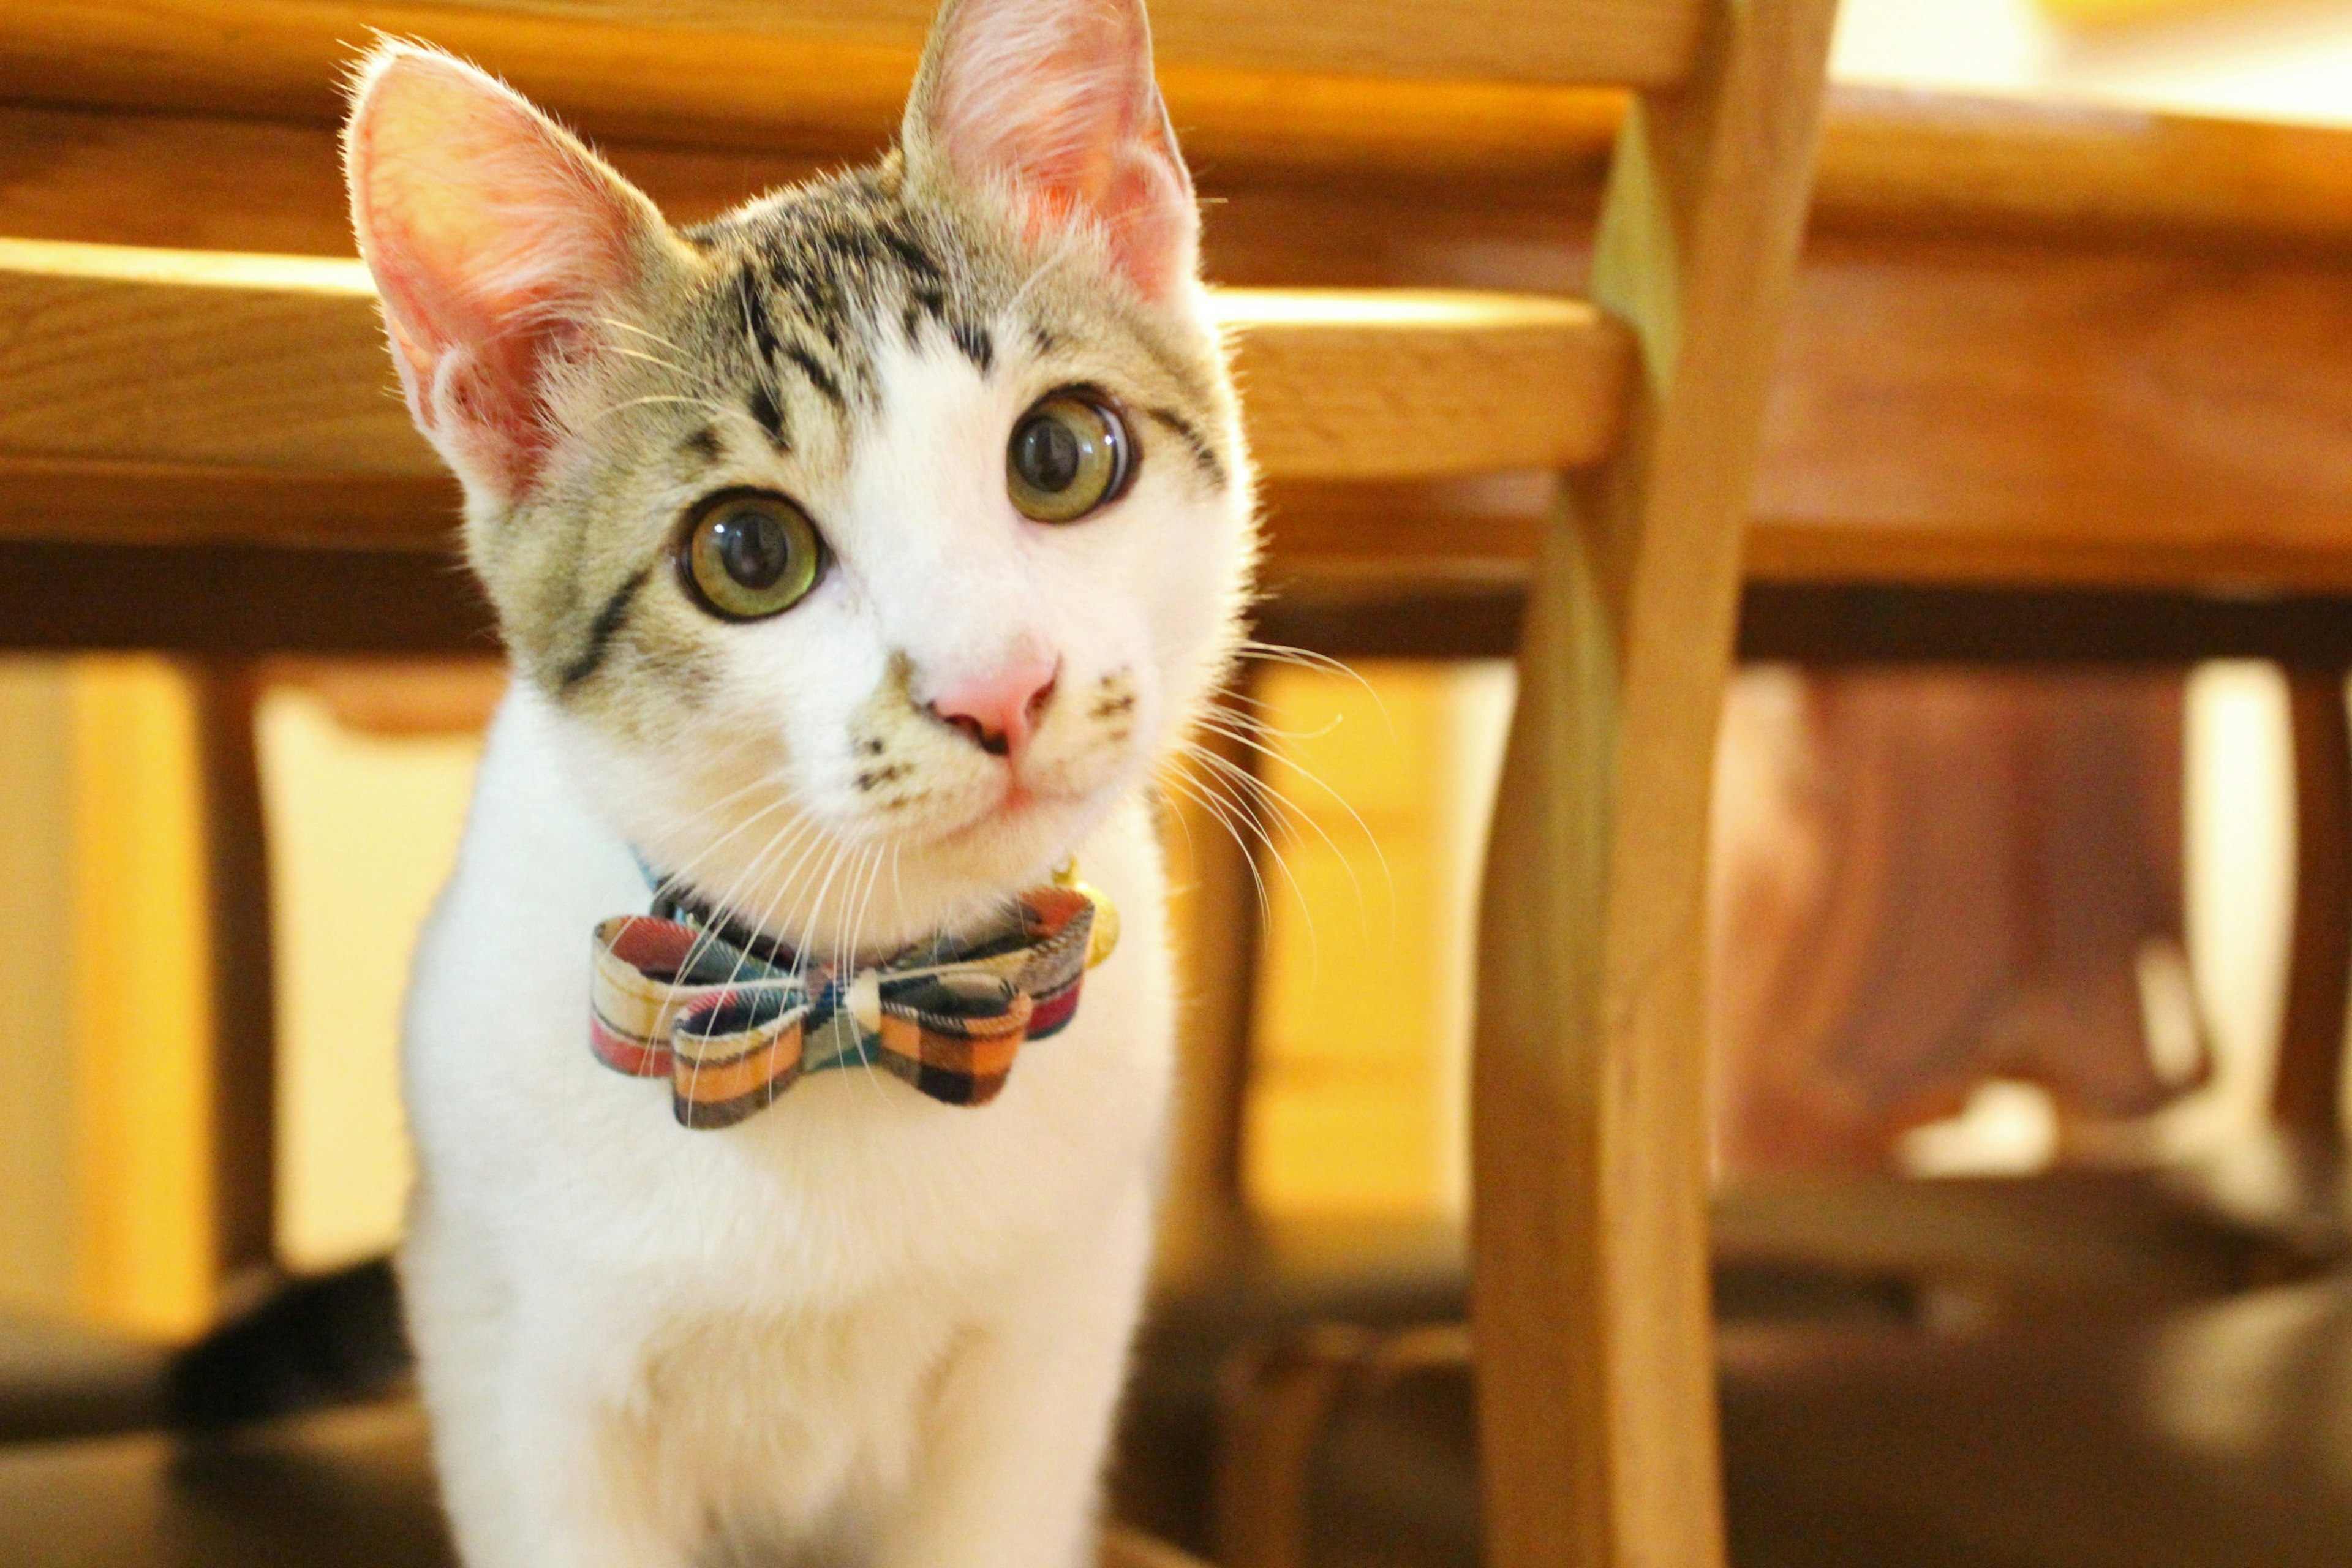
(1069, 454)
(749, 554)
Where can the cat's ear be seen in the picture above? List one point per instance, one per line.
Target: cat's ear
(1054, 101)
(497, 241)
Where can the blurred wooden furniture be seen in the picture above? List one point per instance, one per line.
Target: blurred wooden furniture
(232, 404)
(2208, 1433)
(2006, 430)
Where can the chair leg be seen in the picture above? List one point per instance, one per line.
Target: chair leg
(1273, 1403)
(2306, 1096)
(1276, 1404)
(1596, 1400)
(245, 1044)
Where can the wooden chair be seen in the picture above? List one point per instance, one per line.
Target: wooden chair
(1976, 455)
(248, 390)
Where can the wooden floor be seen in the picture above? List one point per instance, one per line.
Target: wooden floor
(351, 1489)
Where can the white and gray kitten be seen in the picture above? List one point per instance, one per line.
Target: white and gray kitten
(860, 555)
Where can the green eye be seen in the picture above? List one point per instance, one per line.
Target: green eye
(1068, 454)
(748, 554)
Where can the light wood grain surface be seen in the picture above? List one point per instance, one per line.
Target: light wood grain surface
(1394, 384)
(273, 363)
(1962, 410)
(117, 354)
(750, 74)
(1634, 41)
(1894, 159)
(1590, 1316)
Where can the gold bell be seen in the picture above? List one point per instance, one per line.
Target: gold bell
(1104, 935)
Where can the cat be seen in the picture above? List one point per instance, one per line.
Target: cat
(860, 555)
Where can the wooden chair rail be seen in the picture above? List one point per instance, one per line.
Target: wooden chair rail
(1893, 159)
(750, 73)
(274, 366)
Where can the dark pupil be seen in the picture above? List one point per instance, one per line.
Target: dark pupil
(753, 547)
(1048, 454)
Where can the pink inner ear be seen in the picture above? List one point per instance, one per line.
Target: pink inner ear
(1057, 96)
(490, 236)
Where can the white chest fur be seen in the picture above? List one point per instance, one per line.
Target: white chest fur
(828, 1323)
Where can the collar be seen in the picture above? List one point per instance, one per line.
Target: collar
(733, 1017)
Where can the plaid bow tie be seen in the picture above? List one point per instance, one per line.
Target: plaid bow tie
(733, 1019)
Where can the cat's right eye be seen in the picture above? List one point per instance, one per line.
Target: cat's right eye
(749, 554)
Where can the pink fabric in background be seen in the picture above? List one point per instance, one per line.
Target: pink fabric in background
(1926, 878)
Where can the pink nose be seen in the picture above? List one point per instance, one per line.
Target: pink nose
(999, 712)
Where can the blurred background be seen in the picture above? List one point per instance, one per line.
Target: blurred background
(1966, 922)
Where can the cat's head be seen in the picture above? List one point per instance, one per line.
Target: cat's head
(870, 541)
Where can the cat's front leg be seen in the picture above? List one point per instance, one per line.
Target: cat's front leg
(539, 1466)
(1012, 1462)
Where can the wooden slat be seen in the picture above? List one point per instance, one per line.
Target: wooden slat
(1596, 1394)
(204, 183)
(191, 503)
(1907, 160)
(202, 362)
(1634, 41)
(1381, 384)
(1349, 194)
(1957, 411)
(115, 353)
(229, 169)
(742, 70)
(1966, 411)
(222, 601)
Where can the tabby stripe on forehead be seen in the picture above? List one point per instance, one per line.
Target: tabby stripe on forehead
(604, 628)
(818, 376)
(754, 308)
(976, 346)
(816, 294)
(768, 417)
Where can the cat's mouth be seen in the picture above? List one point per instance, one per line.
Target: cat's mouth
(1020, 807)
